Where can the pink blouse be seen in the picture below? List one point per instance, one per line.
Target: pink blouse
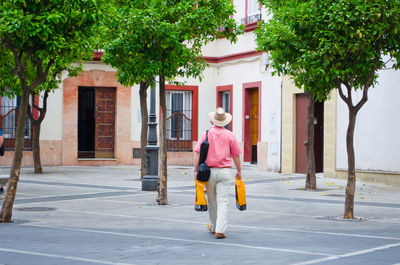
(223, 145)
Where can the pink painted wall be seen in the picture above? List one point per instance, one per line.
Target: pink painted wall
(123, 144)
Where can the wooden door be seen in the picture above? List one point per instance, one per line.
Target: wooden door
(254, 125)
(319, 136)
(301, 133)
(105, 122)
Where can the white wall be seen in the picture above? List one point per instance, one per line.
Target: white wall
(222, 47)
(207, 102)
(240, 9)
(51, 128)
(271, 122)
(207, 96)
(376, 138)
(250, 70)
(237, 73)
(136, 117)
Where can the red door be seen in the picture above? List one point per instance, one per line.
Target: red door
(301, 133)
(104, 122)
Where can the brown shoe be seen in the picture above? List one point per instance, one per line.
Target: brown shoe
(220, 235)
(209, 229)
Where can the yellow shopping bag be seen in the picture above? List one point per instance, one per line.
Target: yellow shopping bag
(240, 192)
(200, 203)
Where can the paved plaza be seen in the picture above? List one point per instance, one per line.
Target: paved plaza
(100, 215)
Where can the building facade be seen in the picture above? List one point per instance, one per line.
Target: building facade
(94, 120)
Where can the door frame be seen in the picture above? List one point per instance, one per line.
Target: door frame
(222, 89)
(96, 76)
(95, 153)
(247, 88)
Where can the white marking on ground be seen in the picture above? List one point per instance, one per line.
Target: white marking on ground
(350, 254)
(238, 226)
(184, 206)
(34, 253)
(72, 195)
(65, 195)
(188, 240)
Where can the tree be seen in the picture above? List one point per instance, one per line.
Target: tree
(165, 38)
(37, 39)
(328, 45)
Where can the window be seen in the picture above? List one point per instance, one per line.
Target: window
(10, 106)
(224, 100)
(252, 8)
(179, 120)
(253, 14)
(225, 97)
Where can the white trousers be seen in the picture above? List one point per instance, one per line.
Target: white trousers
(217, 193)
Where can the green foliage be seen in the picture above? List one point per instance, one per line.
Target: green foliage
(158, 37)
(323, 44)
(40, 38)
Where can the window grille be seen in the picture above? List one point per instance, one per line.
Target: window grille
(179, 121)
(251, 19)
(9, 123)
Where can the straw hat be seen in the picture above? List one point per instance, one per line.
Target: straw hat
(220, 117)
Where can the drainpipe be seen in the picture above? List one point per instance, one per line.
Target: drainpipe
(280, 146)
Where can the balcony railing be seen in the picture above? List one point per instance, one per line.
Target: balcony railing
(251, 19)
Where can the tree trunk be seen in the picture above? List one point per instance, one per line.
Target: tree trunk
(311, 183)
(162, 184)
(145, 118)
(36, 148)
(351, 173)
(36, 123)
(6, 211)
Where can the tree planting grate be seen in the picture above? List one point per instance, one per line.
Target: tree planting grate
(340, 218)
(36, 209)
(336, 195)
(316, 190)
(15, 222)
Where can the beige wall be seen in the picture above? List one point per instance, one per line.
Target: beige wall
(330, 135)
(289, 90)
(50, 155)
(262, 156)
